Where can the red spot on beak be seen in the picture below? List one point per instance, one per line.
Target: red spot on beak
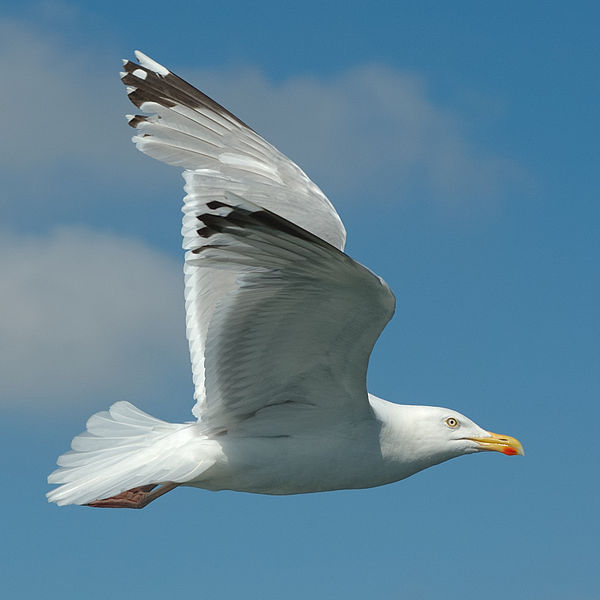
(509, 451)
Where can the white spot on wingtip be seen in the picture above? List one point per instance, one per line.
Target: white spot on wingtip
(129, 117)
(122, 74)
(130, 89)
(147, 62)
(124, 61)
(140, 74)
(139, 140)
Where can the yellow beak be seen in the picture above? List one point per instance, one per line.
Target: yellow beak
(500, 443)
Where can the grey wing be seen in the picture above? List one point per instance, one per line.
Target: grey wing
(217, 150)
(299, 323)
(219, 153)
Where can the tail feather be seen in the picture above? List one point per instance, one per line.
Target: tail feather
(124, 448)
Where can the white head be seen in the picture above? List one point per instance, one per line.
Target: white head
(427, 435)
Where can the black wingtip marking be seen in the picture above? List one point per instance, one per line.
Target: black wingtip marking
(244, 219)
(274, 221)
(139, 96)
(129, 66)
(170, 90)
(129, 79)
(212, 224)
(136, 120)
(213, 204)
(205, 232)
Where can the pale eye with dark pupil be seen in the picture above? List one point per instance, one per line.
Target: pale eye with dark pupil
(451, 422)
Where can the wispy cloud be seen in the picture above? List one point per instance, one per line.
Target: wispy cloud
(55, 104)
(370, 130)
(85, 314)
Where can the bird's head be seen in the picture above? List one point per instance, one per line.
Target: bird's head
(470, 437)
(456, 434)
(421, 436)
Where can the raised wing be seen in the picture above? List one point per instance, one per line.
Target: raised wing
(299, 323)
(190, 130)
(219, 153)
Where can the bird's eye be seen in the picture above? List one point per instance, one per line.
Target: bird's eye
(452, 422)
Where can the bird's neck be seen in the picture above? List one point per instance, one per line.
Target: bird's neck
(405, 445)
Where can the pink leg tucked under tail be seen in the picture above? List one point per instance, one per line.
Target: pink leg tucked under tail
(136, 497)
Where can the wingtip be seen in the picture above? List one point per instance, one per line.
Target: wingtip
(148, 63)
(135, 120)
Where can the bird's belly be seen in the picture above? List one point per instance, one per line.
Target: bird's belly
(298, 465)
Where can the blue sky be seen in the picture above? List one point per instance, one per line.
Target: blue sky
(458, 141)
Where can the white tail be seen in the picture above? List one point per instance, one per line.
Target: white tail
(124, 448)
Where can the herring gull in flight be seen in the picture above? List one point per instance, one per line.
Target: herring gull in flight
(280, 323)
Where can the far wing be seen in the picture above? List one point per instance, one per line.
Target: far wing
(219, 153)
(190, 130)
(299, 324)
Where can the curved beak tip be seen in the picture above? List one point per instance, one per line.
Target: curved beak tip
(501, 443)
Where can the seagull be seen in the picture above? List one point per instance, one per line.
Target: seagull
(281, 324)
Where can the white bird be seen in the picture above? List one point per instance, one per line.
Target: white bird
(281, 324)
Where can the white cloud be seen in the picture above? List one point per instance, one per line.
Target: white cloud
(371, 131)
(85, 315)
(57, 104)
